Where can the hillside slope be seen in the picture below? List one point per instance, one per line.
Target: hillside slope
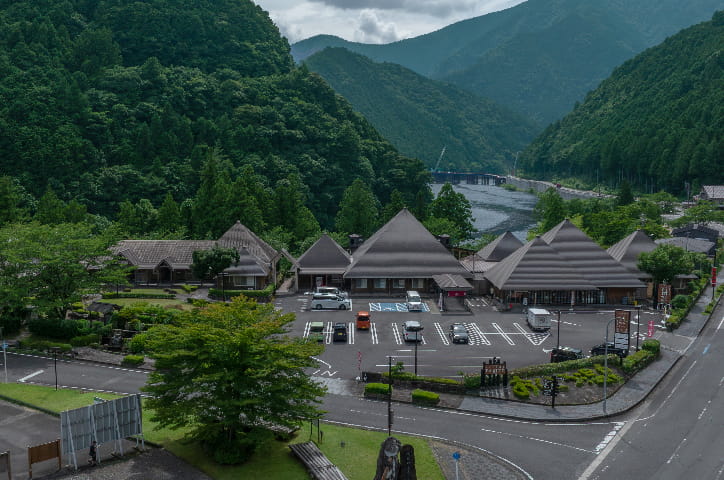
(658, 121)
(420, 116)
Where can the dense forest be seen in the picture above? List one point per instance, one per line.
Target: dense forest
(420, 116)
(539, 57)
(192, 111)
(657, 122)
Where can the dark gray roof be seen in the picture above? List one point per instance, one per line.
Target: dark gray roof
(475, 264)
(240, 237)
(592, 261)
(447, 282)
(627, 251)
(403, 248)
(689, 244)
(500, 248)
(536, 266)
(713, 192)
(248, 265)
(325, 256)
(147, 254)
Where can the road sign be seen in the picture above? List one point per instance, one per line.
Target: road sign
(713, 276)
(5, 346)
(456, 455)
(651, 328)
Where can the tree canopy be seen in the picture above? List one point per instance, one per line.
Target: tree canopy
(230, 374)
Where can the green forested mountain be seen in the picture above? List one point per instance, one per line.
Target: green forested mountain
(657, 122)
(420, 116)
(539, 57)
(113, 101)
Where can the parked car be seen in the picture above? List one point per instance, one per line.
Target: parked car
(329, 300)
(339, 333)
(316, 331)
(563, 354)
(412, 331)
(413, 301)
(458, 333)
(332, 290)
(601, 350)
(539, 319)
(362, 321)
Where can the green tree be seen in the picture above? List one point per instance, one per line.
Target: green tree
(625, 195)
(396, 203)
(169, 215)
(9, 200)
(207, 264)
(230, 374)
(550, 210)
(453, 206)
(51, 266)
(666, 262)
(51, 209)
(358, 212)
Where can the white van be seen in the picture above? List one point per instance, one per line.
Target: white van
(413, 301)
(333, 290)
(539, 319)
(330, 301)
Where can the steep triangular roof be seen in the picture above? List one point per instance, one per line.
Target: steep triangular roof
(248, 265)
(592, 261)
(403, 248)
(627, 251)
(536, 266)
(500, 248)
(325, 256)
(240, 237)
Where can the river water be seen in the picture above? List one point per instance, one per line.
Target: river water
(496, 209)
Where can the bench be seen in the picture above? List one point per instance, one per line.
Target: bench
(319, 467)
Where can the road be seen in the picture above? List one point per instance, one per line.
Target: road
(679, 432)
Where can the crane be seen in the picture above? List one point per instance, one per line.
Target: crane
(437, 165)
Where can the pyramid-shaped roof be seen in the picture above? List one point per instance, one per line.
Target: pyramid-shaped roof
(240, 237)
(325, 256)
(536, 266)
(148, 254)
(500, 248)
(403, 248)
(627, 251)
(592, 261)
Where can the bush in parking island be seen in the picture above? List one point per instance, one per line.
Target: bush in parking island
(377, 389)
(424, 397)
(133, 360)
(653, 346)
(637, 361)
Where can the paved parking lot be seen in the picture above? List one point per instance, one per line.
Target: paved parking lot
(504, 335)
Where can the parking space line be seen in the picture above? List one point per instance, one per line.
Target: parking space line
(351, 331)
(440, 332)
(373, 331)
(328, 334)
(534, 338)
(478, 333)
(396, 334)
(503, 334)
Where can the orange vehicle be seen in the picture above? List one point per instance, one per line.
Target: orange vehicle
(363, 320)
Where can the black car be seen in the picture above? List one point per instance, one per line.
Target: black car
(601, 350)
(563, 354)
(339, 332)
(458, 333)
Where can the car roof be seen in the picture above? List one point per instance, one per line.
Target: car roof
(340, 325)
(363, 313)
(458, 325)
(412, 323)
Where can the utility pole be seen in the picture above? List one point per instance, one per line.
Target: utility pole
(389, 398)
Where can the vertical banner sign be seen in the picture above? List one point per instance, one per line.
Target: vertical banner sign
(651, 329)
(623, 328)
(713, 277)
(664, 293)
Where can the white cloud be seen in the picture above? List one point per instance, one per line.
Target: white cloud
(373, 21)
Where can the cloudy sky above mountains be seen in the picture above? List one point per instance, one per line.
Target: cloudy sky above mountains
(373, 21)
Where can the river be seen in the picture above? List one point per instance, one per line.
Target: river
(496, 209)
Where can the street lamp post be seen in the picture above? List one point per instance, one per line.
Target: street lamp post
(417, 340)
(638, 325)
(389, 398)
(558, 335)
(605, 364)
(5, 357)
(55, 365)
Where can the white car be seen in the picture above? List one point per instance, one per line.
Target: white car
(413, 301)
(322, 301)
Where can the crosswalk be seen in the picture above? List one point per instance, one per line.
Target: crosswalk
(479, 335)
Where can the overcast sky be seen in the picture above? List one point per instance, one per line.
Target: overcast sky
(372, 21)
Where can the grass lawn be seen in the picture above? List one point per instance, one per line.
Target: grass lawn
(357, 459)
(162, 302)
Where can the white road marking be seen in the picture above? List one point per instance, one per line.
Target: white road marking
(22, 380)
(373, 330)
(609, 436)
(440, 332)
(476, 331)
(503, 334)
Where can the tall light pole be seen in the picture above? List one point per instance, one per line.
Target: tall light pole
(558, 336)
(389, 398)
(55, 365)
(5, 356)
(605, 364)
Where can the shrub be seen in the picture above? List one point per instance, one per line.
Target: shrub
(680, 301)
(637, 361)
(42, 345)
(84, 340)
(377, 388)
(471, 381)
(108, 295)
(133, 360)
(189, 288)
(521, 391)
(424, 397)
(55, 328)
(137, 344)
(653, 346)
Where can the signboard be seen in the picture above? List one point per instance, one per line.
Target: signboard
(456, 293)
(494, 369)
(623, 328)
(651, 328)
(664, 293)
(713, 276)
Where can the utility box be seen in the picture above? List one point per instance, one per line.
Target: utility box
(539, 319)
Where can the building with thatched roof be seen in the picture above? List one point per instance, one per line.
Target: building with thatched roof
(627, 251)
(165, 262)
(402, 255)
(487, 257)
(324, 263)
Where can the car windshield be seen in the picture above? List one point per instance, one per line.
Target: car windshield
(459, 329)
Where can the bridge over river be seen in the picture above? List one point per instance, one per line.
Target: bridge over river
(469, 178)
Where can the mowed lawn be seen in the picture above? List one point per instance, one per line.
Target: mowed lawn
(357, 459)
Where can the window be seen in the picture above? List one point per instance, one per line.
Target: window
(380, 283)
(418, 283)
(398, 283)
(243, 281)
(360, 283)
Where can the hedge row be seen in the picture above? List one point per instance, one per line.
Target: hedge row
(133, 360)
(219, 293)
(377, 389)
(109, 295)
(682, 304)
(424, 397)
